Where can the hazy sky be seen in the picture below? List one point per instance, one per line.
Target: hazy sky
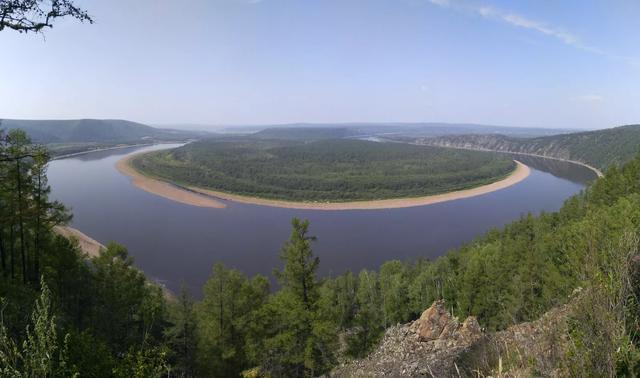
(570, 63)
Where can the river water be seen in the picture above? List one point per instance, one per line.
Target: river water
(174, 243)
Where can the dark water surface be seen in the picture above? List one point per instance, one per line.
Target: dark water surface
(173, 242)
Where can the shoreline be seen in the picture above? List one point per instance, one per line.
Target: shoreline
(592, 168)
(88, 245)
(65, 156)
(210, 198)
(119, 147)
(162, 188)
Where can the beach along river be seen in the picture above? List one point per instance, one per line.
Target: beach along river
(174, 242)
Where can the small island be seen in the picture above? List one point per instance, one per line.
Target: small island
(334, 174)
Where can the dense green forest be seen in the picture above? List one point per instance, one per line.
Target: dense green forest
(600, 148)
(323, 170)
(65, 313)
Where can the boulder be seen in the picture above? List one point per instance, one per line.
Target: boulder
(433, 321)
(470, 331)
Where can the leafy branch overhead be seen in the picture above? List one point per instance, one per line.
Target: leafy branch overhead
(35, 15)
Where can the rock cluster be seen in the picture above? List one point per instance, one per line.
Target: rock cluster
(427, 347)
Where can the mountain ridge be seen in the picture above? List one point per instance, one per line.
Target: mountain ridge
(90, 130)
(599, 148)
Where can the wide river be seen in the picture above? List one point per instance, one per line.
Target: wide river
(173, 242)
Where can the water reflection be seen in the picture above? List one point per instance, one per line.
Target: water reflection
(561, 169)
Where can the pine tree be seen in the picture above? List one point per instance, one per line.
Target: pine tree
(300, 265)
(181, 335)
(303, 342)
(230, 299)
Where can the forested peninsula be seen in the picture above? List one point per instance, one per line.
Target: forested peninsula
(334, 170)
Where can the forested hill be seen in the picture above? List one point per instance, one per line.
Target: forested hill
(339, 130)
(93, 131)
(600, 149)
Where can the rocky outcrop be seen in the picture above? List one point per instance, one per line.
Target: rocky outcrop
(427, 347)
(438, 345)
(433, 322)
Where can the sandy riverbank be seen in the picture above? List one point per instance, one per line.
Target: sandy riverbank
(164, 189)
(87, 245)
(207, 198)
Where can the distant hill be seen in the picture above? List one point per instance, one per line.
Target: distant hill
(440, 128)
(400, 128)
(94, 131)
(600, 149)
(304, 133)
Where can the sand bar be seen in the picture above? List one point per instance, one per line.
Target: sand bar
(162, 188)
(207, 198)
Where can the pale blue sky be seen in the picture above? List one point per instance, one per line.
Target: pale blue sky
(548, 63)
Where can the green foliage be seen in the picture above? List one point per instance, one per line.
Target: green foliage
(298, 338)
(127, 310)
(181, 335)
(26, 214)
(224, 321)
(323, 170)
(142, 364)
(103, 305)
(600, 148)
(298, 277)
(241, 325)
(368, 321)
(394, 292)
(41, 354)
(603, 327)
(338, 299)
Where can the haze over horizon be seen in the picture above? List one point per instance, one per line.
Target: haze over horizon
(256, 62)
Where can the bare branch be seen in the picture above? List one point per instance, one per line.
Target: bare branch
(34, 15)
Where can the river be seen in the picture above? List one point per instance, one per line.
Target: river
(174, 243)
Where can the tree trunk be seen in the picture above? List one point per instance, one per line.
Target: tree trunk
(36, 262)
(3, 256)
(12, 249)
(221, 306)
(305, 296)
(21, 223)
